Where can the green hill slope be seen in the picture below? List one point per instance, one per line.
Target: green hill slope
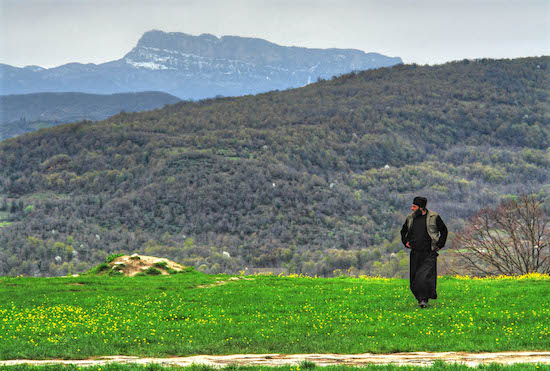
(28, 112)
(322, 176)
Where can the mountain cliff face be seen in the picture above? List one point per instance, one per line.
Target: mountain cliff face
(194, 67)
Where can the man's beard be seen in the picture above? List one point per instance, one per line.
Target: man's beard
(418, 212)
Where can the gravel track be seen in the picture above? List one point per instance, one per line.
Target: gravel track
(415, 358)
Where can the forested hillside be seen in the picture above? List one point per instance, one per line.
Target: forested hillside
(28, 112)
(318, 178)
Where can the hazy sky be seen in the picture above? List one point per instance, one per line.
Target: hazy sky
(53, 32)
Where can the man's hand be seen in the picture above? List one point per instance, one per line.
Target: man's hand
(408, 245)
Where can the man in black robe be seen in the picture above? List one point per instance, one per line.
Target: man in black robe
(424, 233)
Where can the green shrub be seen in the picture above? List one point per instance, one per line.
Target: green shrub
(115, 272)
(307, 364)
(190, 269)
(152, 271)
(162, 265)
(99, 269)
(112, 257)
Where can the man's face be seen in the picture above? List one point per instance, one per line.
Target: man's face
(417, 210)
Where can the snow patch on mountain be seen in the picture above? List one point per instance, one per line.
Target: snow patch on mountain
(166, 59)
(314, 67)
(148, 65)
(34, 68)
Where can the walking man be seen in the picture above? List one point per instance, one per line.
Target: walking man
(424, 233)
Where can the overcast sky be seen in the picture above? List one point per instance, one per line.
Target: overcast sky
(49, 33)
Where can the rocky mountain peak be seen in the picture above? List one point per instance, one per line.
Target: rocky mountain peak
(257, 51)
(195, 67)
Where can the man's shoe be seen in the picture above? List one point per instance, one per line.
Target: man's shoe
(422, 303)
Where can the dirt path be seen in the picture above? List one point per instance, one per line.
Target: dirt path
(416, 358)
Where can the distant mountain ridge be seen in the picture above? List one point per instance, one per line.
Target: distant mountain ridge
(195, 67)
(28, 112)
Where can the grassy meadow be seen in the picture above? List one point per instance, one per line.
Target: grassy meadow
(194, 313)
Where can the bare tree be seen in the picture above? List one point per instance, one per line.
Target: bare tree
(510, 239)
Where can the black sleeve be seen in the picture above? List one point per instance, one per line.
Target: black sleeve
(404, 232)
(443, 230)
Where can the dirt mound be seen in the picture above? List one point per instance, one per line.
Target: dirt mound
(131, 265)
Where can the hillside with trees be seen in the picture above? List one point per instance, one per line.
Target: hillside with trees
(312, 180)
(28, 112)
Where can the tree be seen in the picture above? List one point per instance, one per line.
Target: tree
(511, 239)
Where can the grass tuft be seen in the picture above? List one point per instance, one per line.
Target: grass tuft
(112, 257)
(115, 273)
(307, 364)
(162, 265)
(152, 271)
(101, 268)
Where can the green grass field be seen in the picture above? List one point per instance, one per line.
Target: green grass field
(188, 314)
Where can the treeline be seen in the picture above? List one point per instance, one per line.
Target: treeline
(318, 179)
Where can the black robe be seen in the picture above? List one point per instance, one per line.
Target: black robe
(423, 274)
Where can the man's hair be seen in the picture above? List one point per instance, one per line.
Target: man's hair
(421, 202)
